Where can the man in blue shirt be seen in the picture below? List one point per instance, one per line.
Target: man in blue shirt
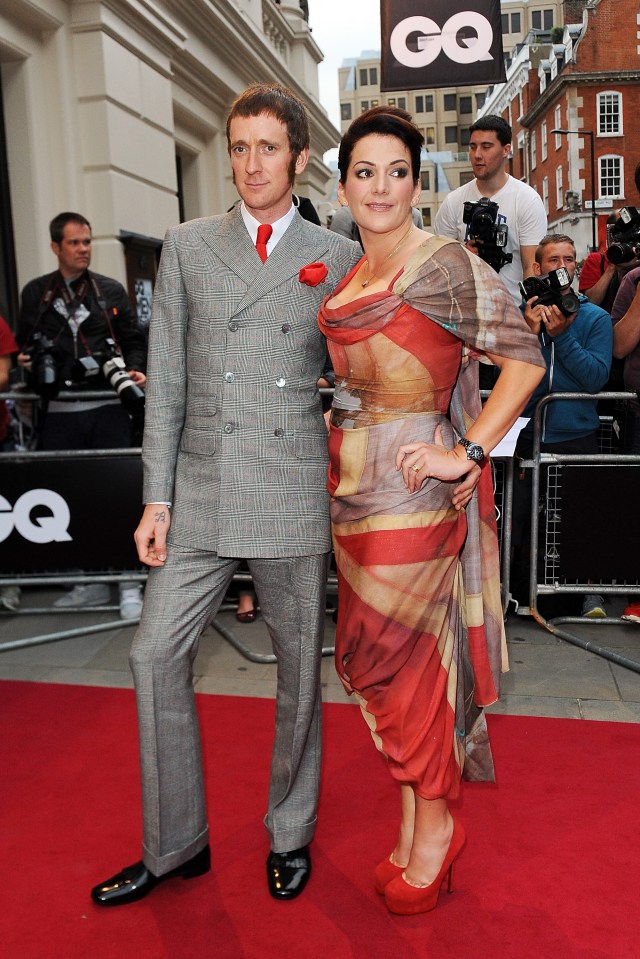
(577, 349)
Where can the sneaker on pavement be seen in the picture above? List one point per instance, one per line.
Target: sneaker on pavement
(10, 598)
(84, 594)
(631, 613)
(130, 602)
(593, 606)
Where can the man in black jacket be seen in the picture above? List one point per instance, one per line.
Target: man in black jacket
(77, 331)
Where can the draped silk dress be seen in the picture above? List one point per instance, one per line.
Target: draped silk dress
(420, 637)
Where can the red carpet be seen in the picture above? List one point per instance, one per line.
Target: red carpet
(550, 870)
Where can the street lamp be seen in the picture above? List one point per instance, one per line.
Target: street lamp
(594, 217)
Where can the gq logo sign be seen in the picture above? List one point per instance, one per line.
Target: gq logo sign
(459, 43)
(431, 40)
(43, 529)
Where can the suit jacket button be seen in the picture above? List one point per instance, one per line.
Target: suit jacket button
(233, 327)
(278, 432)
(229, 377)
(280, 382)
(286, 328)
(228, 427)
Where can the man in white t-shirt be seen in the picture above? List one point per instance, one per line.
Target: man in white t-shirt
(519, 206)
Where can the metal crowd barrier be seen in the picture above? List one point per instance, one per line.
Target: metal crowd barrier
(572, 561)
(123, 517)
(554, 581)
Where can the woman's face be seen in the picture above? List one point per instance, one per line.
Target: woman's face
(379, 186)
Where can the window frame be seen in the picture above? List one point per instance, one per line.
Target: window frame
(600, 100)
(619, 159)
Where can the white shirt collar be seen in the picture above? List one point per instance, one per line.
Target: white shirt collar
(279, 226)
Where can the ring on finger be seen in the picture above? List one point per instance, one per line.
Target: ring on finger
(416, 469)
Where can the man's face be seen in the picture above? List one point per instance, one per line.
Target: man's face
(554, 256)
(74, 251)
(263, 165)
(487, 154)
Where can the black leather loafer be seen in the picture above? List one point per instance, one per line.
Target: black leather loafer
(136, 881)
(288, 872)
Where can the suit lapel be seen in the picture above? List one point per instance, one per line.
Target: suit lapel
(301, 244)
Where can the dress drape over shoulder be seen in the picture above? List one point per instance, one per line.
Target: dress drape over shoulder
(420, 636)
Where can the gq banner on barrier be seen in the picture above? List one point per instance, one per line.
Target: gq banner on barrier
(440, 43)
(66, 514)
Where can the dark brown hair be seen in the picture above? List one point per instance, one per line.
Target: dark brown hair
(385, 121)
(57, 225)
(281, 103)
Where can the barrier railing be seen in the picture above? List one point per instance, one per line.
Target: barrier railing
(590, 544)
(553, 581)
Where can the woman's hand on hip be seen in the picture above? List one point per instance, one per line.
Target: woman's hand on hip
(421, 461)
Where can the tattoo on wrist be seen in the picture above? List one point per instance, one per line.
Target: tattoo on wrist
(161, 516)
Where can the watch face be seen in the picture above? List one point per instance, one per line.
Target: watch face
(474, 451)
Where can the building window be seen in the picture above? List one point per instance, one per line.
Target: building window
(558, 125)
(449, 101)
(450, 134)
(430, 135)
(480, 98)
(374, 103)
(559, 189)
(364, 105)
(515, 23)
(373, 76)
(545, 193)
(419, 104)
(402, 103)
(345, 111)
(364, 76)
(609, 107)
(465, 137)
(542, 19)
(425, 180)
(426, 216)
(466, 105)
(505, 22)
(466, 176)
(611, 176)
(391, 102)
(428, 103)
(532, 144)
(543, 140)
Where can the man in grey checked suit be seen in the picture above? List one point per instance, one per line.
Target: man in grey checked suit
(235, 460)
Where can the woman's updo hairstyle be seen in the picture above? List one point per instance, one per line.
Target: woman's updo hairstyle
(384, 121)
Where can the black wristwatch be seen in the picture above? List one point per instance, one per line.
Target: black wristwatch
(474, 450)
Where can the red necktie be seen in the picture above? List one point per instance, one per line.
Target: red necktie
(264, 233)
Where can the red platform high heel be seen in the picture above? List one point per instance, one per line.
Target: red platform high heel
(407, 900)
(384, 872)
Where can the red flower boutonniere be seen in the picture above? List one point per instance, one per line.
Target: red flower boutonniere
(313, 274)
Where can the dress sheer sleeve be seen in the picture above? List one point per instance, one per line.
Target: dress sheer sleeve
(463, 294)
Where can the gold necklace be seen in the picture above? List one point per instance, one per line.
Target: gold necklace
(373, 276)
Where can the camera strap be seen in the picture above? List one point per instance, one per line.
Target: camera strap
(56, 284)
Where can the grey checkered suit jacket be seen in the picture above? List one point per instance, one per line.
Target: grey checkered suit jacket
(234, 435)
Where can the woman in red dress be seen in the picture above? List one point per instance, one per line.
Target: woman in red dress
(420, 637)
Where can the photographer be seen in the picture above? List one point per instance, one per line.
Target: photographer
(520, 208)
(77, 331)
(576, 341)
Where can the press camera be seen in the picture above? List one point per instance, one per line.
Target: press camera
(44, 366)
(484, 229)
(551, 290)
(624, 236)
(114, 371)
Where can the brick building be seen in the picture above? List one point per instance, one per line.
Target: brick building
(584, 80)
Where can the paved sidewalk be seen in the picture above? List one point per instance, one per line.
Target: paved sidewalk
(548, 676)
